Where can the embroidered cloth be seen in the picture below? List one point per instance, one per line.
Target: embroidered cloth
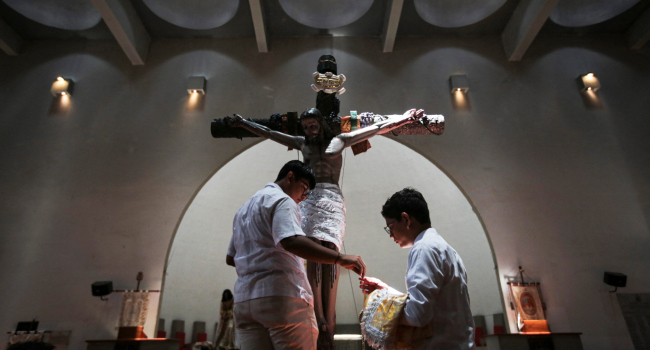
(380, 322)
(380, 319)
(134, 308)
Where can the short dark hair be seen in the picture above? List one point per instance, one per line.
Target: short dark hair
(410, 201)
(328, 134)
(300, 170)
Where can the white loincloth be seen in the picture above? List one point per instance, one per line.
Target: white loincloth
(323, 214)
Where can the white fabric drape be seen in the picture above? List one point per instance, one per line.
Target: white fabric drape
(135, 305)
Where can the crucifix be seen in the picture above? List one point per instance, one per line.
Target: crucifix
(321, 136)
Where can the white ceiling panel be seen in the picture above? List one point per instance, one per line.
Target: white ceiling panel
(194, 14)
(68, 14)
(580, 13)
(456, 13)
(325, 14)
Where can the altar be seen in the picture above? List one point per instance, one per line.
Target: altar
(548, 341)
(134, 344)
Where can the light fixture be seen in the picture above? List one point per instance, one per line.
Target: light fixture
(458, 83)
(102, 288)
(588, 82)
(196, 85)
(615, 279)
(62, 87)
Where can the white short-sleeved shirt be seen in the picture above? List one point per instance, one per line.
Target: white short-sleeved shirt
(436, 282)
(264, 268)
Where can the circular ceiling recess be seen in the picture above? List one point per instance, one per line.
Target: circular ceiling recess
(580, 13)
(194, 14)
(68, 14)
(456, 13)
(325, 14)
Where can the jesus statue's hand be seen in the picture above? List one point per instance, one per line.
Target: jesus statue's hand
(419, 114)
(234, 121)
(413, 114)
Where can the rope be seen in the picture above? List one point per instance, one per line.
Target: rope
(345, 155)
(354, 300)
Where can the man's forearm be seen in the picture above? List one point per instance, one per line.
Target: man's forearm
(309, 250)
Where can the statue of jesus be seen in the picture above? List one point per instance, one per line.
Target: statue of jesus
(323, 211)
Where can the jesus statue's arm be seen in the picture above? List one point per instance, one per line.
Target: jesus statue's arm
(263, 131)
(341, 141)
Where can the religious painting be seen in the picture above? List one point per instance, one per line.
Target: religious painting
(527, 301)
(135, 305)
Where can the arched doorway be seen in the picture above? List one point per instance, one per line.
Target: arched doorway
(196, 273)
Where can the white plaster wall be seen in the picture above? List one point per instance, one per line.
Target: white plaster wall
(96, 192)
(196, 271)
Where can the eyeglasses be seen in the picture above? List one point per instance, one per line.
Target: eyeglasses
(388, 228)
(305, 193)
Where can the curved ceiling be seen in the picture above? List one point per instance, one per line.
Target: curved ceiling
(580, 13)
(194, 14)
(456, 13)
(325, 14)
(68, 14)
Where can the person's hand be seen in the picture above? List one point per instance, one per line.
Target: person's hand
(370, 284)
(234, 121)
(354, 263)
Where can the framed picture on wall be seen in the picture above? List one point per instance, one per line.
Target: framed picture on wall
(527, 300)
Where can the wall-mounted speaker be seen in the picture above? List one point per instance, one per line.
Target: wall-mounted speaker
(102, 288)
(615, 279)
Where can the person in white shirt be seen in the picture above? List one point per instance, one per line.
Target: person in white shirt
(273, 300)
(436, 279)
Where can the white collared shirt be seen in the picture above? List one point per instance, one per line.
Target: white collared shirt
(263, 267)
(436, 282)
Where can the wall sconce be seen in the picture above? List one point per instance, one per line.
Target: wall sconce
(102, 288)
(196, 85)
(62, 87)
(588, 82)
(458, 83)
(615, 279)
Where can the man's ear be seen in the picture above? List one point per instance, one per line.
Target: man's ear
(290, 177)
(406, 217)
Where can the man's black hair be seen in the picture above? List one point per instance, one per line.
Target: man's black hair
(327, 132)
(300, 171)
(410, 201)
